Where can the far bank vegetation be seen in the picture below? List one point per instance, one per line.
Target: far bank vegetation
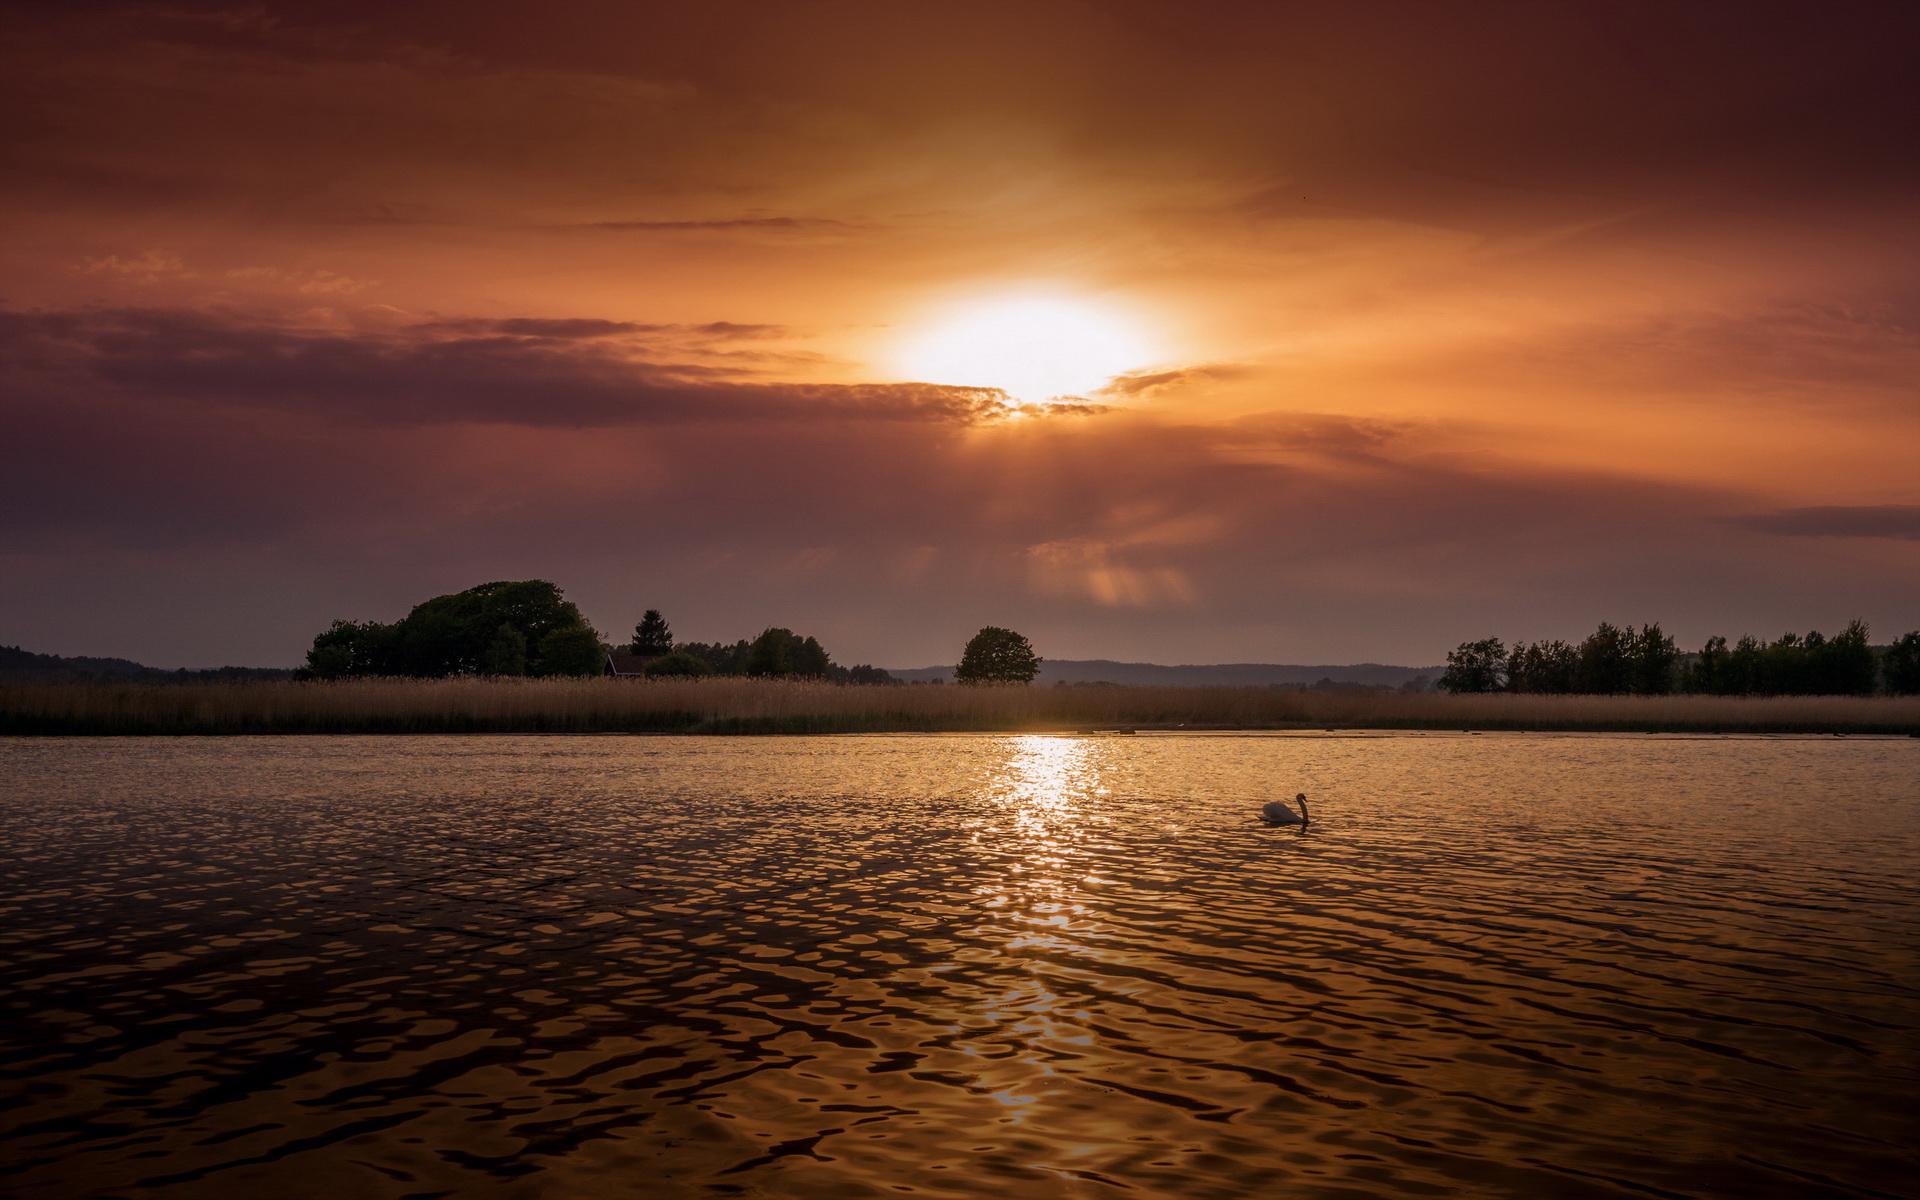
(736, 704)
(1623, 661)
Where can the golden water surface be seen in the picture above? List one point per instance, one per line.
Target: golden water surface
(1502, 966)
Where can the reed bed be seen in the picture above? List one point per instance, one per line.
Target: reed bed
(732, 705)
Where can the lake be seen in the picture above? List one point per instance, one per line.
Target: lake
(1022, 966)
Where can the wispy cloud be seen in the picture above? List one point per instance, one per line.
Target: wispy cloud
(1900, 521)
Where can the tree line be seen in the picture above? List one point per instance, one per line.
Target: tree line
(527, 627)
(1614, 661)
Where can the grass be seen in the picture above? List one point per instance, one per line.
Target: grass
(732, 705)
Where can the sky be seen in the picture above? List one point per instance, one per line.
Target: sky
(1378, 326)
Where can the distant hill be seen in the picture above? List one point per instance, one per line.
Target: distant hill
(17, 664)
(1100, 670)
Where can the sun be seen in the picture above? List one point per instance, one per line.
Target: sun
(1031, 347)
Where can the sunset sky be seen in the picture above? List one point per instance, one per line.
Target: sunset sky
(1431, 321)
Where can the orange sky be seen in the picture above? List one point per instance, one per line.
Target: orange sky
(1470, 319)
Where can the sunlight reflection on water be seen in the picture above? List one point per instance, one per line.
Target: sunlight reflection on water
(1039, 966)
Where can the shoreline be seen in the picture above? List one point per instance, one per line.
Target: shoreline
(738, 706)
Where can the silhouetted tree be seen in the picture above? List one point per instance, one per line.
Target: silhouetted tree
(1476, 667)
(1845, 665)
(348, 648)
(1654, 655)
(459, 634)
(1606, 662)
(571, 650)
(996, 655)
(781, 652)
(651, 636)
(1901, 665)
(725, 659)
(1746, 667)
(869, 675)
(679, 663)
(506, 654)
(1544, 667)
(1707, 673)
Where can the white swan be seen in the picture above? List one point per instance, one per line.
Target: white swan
(1276, 812)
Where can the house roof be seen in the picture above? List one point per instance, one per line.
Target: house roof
(629, 664)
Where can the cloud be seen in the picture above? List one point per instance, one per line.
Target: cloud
(1900, 521)
(526, 371)
(723, 224)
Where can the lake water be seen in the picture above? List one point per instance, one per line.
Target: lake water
(554, 968)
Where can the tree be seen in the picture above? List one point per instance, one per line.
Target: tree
(767, 654)
(506, 654)
(1901, 665)
(870, 675)
(571, 650)
(996, 655)
(1544, 667)
(346, 649)
(1707, 674)
(450, 635)
(1606, 662)
(462, 634)
(724, 659)
(1476, 666)
(1654, 655)
(1845, 666)
(651, 637)
(678, 664)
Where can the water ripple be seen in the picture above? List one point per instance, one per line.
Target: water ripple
(1040, 967)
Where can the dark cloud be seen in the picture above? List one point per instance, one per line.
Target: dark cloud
(720, 224)
(1841, 521)
(529, 372)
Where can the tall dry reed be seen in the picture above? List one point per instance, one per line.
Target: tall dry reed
(732, 705)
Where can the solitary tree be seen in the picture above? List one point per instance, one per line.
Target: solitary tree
(997, 655)
(651, 636)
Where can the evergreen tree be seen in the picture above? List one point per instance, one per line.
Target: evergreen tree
(651, 637)
(996, 655)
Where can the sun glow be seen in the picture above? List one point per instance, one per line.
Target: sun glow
(1033, 348)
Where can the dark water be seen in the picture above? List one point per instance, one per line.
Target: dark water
(966, 966)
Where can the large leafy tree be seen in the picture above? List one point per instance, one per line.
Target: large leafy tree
(996, 655)
(467, 633)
